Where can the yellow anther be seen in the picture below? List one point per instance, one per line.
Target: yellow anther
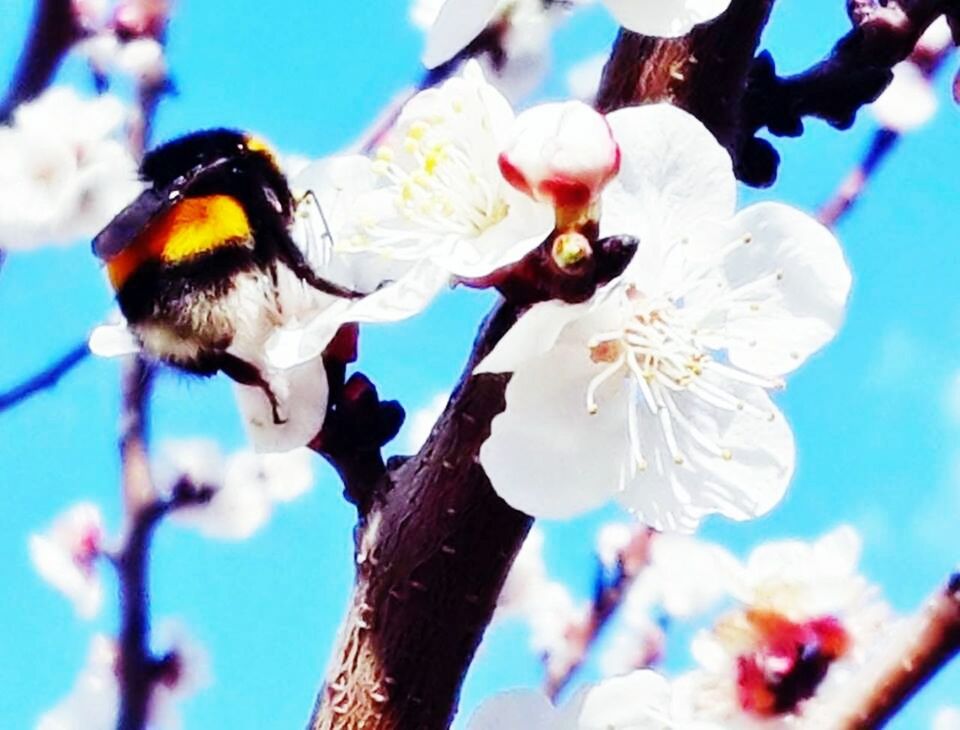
(385, 154)
(727, 455)
(417, 130)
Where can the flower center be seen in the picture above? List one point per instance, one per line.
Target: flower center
(662, 354)
(788, 663)
(439, 184)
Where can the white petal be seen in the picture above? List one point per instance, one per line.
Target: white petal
(546, 455)
(113, 340)
(403, 297)
(457, 24)
(637, 701)
(794, 317)
(908, 102)
(674, 175)
(533, 335)
(675, 496)
(302, 392)
(515, 710)
(666, 18)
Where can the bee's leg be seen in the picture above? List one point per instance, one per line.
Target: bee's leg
(246, 373)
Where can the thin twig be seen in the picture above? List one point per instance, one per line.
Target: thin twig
(609, 595)
(933, 639)
(45, 379)
(53, 31)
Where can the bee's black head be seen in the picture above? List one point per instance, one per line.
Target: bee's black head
(164, 164)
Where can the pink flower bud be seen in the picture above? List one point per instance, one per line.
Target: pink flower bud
(561, 153)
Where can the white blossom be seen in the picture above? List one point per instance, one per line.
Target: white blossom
(805, 619)
(655, 392)
(65, 172)
(421, 423)
(908, 103)
(65, 556)
(947, 718)
(187, 672)
(526, 23)
(246, 485)
(612, 538)
(638, 701)
(140, 59)
(583, 79)
(93, 702)
(443, 199)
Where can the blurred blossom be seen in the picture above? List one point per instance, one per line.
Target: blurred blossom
(421, 423)
(612, 538)
(638, 701)
(186, 670)
(936, 38)
(93, 702)
(141, 59)
(246, 486)
(656, 391)
(583, 78)
(947, 718)
(65, 556)
(141, 18)
(689, 576)
(65, 172)
(805, 617)
(908, 103)
(545, 605)
(442, 198)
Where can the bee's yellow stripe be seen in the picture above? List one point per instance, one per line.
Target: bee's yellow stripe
(192, 227)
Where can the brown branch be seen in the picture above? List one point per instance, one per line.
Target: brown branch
(934, 640)
(53, 31)
(45, 379)
(609, 596)
(854, 74)
(435, 542)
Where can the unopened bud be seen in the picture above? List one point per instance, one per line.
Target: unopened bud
(562, 153)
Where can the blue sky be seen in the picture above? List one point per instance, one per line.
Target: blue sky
(877, 444)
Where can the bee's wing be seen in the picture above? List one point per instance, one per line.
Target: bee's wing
(314, 237)
(129, 222)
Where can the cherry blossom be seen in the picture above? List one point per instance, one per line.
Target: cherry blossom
(457, 23)
(65, 556)
(638, 701)
(421, 422)
(186, 671)
(65, 172)
(804, 616)
(246, 486)
(947, 718)
(442, 197)
(655, 391)
(908, 103)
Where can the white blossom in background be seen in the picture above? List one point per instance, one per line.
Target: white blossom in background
(93, 702)
(442, 198)
(247, 486)
(422, 421)
(583, 78)
(187, 671)
(638, 701)
(141, 59)
(805, 619)
(908, 103)
(523, 26)
(65, 557)
(655, 392)
(65, 173)
(545, 605)
(947, 718)
(612, 539)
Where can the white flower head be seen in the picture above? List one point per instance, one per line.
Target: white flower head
(804, 614)
(94, 700)
(947, 718)
(583, 79)
(908, 103)
(65, 172)
(638, 701)
(563, 154)
(246, 486)
(421, 423)
(612, 539)
(185, 670)
(666, 18)
(65, 556)
(655, 392)
(442, 197)
(689, 577)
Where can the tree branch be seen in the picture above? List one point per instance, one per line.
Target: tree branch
(933, 640)
(53, 31)
(45, 379)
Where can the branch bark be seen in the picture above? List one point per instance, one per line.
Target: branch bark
(52, 32)
(934, 639)
(434, 542)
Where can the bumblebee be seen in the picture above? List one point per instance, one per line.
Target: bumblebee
(198, 258)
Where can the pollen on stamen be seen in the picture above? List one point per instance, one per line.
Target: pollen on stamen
(385, 154)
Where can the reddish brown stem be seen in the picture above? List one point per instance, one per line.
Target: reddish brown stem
(934, 640)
